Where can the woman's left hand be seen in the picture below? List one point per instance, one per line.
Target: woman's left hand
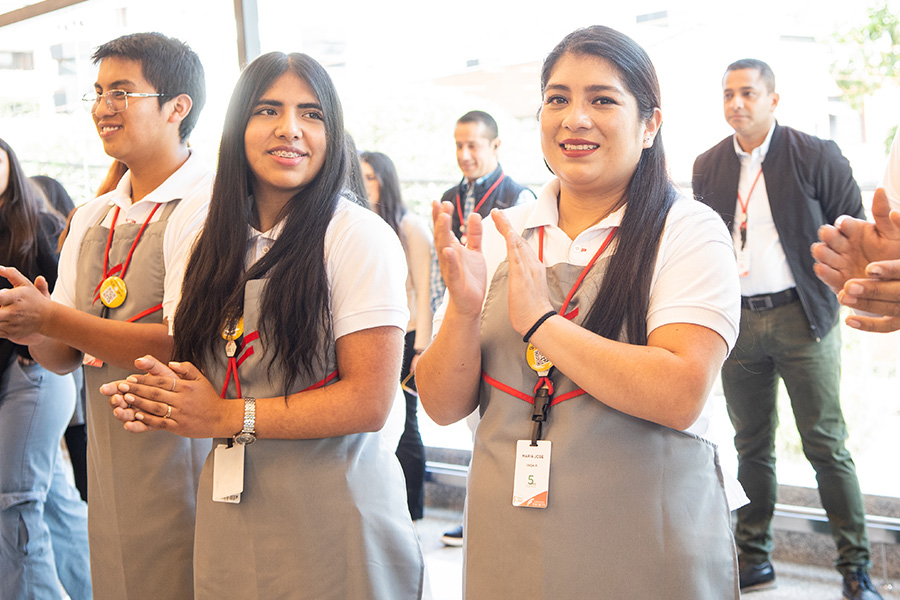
(174, 397)
(529, 297)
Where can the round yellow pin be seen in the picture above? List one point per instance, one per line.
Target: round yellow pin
(233, 330)
(536, 359)
(113, 292)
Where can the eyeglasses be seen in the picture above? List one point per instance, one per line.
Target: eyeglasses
(116, 100)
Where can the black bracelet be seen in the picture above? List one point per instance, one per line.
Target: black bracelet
(534, 327)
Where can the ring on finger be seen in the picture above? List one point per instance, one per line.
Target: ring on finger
(173, 385)
(168, 412)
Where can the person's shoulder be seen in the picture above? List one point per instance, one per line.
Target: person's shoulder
(796, 139)
(807, 148)
(200, 182)
(196, 192)
(518, 214)
(93, 209)
(349, 217)
(687, 213)
(721, 147)
(686, 207)
(513, 181)
(413, 224)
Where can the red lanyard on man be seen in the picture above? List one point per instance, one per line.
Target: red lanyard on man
(459, 208)
(743, 203)
(112, 290)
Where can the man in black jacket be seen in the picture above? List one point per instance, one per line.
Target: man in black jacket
(774, 187)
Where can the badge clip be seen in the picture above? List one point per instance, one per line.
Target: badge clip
(541, 410)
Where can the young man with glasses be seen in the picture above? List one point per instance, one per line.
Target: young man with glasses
(120, 275)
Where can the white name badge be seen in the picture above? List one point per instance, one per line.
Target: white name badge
(532, 481)
(228, 473)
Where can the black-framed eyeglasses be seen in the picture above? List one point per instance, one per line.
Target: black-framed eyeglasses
(116, 100)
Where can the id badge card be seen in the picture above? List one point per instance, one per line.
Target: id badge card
(228, 473)
(90, 361)
(743, 261)
(532, 479)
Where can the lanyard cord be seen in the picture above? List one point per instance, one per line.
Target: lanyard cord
(542, 397)
(232, 368)
(234, 363)
(459, 210)
(745, 203)
(112, 228)
(584, 271)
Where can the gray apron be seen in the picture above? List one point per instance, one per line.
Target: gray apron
(319, 519)
(635, 509)
(142, 487)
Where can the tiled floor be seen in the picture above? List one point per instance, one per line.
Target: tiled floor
(443, 569)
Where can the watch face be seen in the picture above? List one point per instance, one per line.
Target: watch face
(245, 438)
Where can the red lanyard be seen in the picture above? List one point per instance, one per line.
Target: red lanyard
(112, 228)
(744, 203)
(234, 362)
(232, 368)
(487, 194)
(584, 271)
(542, 397)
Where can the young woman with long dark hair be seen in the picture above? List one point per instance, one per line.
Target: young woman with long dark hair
(383, 191)
(42, 517)
(289, 336)
(589, 326)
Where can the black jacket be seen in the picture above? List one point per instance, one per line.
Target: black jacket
(809, 183)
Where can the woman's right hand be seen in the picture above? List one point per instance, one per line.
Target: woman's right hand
(462, 267)
(173, 397)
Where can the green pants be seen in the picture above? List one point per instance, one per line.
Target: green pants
(777, 343)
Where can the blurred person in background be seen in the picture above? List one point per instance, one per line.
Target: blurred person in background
(383, 190)
(43, 521)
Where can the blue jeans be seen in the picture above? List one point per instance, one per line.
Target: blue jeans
(43, 521)
(777, 343)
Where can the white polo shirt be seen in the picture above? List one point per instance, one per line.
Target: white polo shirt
(192, 183)
(365, 264)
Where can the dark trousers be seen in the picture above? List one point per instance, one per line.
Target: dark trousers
(410, 449)
(777, 343)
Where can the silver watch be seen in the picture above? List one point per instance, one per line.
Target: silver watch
(247, 435)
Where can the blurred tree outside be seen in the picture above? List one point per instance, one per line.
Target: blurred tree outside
(867, 56)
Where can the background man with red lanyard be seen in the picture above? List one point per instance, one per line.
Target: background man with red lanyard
(120, 274)
(484, 184)
(774, 186)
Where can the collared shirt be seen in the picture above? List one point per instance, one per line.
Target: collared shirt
(768, 269)
(367, 287)
(191, 183)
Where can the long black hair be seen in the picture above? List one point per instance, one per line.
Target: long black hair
(390, 203)
(22, 210)
(295, 313)
(624, 296)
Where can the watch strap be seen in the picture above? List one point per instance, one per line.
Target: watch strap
(249, 415)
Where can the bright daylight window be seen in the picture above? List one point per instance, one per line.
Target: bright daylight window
(406, 73)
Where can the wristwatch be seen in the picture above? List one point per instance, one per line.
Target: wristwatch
(247, 435)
